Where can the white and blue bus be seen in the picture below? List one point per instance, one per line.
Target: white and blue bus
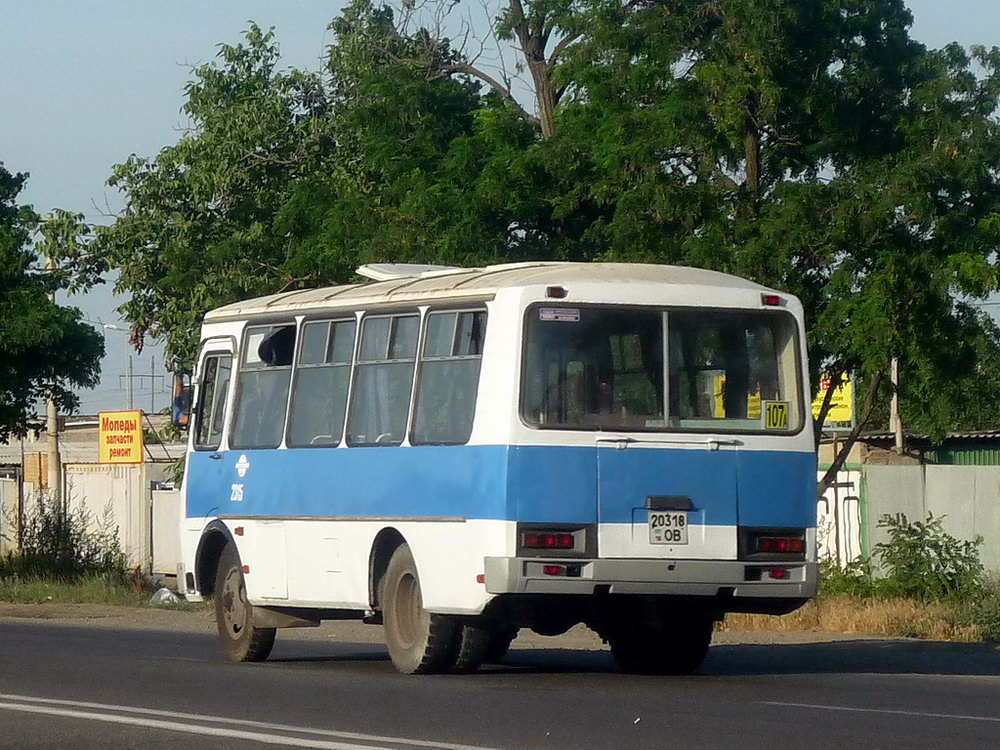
(460, 453)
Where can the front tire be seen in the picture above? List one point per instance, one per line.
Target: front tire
(241, 640)
(419, 641)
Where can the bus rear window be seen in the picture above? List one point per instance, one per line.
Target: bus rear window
(603, 369)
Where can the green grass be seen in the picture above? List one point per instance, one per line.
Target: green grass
(88, 590)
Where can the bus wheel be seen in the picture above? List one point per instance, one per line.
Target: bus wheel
(675, 647)
(241, 639)
(473, 645)
(499, 645)
(419, 642)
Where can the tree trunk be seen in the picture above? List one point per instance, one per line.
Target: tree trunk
(752, 147)
(533, 38)
(841, 458)
(545, 95)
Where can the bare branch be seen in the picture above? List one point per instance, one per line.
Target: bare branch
(725, 179)
(496, 86)
(560, 46)
(836, 380)
(841, 458)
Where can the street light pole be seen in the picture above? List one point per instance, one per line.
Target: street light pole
(52, 423)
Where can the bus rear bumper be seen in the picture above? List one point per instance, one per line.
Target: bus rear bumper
(721, 579)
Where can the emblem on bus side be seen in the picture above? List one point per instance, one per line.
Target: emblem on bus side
(242, 466)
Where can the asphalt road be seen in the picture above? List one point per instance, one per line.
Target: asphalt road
(81, 687)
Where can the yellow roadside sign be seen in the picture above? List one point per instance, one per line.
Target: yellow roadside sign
(120, 437)
(840, 404)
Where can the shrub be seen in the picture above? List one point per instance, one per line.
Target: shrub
(853, 579)
(65, 544)
(983, 611)
(922, 561)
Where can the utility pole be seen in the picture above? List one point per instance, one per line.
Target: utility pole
(52, 421)
(895, 423)
(130, 378)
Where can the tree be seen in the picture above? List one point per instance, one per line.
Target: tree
(813, 147)
(44, 348)
(197, 230)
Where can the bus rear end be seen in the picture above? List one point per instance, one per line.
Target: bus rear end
(662, 470)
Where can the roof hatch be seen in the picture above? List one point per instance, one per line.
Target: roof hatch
(390, 271)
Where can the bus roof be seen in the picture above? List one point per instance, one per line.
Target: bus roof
(457, 283)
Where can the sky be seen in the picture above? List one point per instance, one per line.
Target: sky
(86, 83)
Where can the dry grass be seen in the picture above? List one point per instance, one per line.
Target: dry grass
(847, 614)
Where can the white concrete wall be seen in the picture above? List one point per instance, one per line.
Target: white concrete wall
(8, 515)
(120, 494)
(838, 519)
(966, 497)
(166, 520)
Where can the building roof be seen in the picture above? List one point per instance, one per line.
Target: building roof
(967, 435)
(479, 283)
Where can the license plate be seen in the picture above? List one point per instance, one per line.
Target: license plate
(668, 527)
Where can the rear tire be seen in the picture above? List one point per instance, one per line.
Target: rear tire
(241, 640)
(419, 641)
(473, 645)
(500, 640)
(676, 647)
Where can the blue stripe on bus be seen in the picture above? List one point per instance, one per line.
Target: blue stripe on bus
(525, 483)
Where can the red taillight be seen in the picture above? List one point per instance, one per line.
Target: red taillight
(554, 570)
(777, 573)
(547, 540)
(780, 544)
(770, 300)
(556, 292)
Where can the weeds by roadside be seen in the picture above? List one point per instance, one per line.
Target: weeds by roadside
(923, 583)
(67, 544)
(67, 556)
(85, 590)
(844, 613)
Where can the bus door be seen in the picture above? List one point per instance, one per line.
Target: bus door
(665, 497)
(206, 487)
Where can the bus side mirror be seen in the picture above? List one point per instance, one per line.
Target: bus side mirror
(180, 410)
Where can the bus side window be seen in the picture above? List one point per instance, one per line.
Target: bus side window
(323, 373)
(383, 379)
(262, 397)
(211, 411)
(449, 377)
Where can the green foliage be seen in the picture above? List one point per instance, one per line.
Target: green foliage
(197, 228)
(83, 590)
(67, 545)
(853, 579)
(983, 610)
(814, 147)
(922, 561)
(44, 348)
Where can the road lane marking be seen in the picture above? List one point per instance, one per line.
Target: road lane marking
(177, 716)
(896, 712)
